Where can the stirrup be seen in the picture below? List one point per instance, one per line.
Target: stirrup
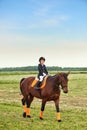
(37, 88)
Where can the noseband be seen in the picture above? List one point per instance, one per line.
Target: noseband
(63, 86)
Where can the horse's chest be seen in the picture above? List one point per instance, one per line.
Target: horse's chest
(53, 97)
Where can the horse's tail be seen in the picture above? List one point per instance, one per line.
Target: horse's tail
(20, 84)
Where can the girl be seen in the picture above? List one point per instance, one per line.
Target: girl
(42, 71)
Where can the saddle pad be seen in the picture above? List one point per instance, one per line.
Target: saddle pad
(34, 82)
(42, 84)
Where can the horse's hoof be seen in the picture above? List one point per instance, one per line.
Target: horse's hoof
(24, 114)
(41, 118)
(28, 116)
(59, 120)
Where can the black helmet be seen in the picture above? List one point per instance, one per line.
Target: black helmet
(41, 58)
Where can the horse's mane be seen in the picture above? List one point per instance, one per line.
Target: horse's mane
(56, 75)
(52, 77)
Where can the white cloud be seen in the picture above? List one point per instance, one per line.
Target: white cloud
(64, 18)
(17, 26)
(55, 21)
(45, 22)
(43, 8)
(51, 22)
(43, 11)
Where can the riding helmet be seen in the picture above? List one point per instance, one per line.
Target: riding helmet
(41, 58)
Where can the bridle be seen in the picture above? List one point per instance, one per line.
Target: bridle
(63, 86)
(60, 82)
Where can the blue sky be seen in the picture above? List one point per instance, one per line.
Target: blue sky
(55, 29)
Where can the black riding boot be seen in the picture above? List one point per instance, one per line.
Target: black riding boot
(37, 86)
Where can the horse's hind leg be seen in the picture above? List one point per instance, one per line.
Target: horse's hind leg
(28, 102)
(24, 107)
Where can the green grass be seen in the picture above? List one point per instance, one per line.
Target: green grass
(73, 105)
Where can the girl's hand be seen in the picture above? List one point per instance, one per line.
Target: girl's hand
(44, 74)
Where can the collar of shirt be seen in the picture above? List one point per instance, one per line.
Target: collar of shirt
(42, 64)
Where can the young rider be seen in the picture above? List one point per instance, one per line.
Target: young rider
(42, 71)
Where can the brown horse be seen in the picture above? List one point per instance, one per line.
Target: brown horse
(51, 92)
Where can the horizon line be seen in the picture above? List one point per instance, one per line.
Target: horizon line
(36, 66)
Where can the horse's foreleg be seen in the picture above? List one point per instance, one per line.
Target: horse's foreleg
(42, 109)
(29, 101)
(24, 107)
(57, 110)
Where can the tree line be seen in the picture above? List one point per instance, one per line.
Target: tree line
(50, 68)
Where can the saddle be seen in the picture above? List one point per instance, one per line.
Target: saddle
(42, 84)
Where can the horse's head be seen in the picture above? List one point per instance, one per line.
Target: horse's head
(63, 79)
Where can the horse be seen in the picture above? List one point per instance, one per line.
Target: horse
(51, 92)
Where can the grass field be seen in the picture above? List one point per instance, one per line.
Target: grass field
(73, 105)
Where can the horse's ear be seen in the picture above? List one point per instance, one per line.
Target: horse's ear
(68, 73)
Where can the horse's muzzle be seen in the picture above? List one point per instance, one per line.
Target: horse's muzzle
(65, 91)
(65, 88)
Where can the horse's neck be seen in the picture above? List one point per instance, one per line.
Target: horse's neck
(54, 79)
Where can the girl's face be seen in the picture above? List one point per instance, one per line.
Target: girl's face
(42, 61)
